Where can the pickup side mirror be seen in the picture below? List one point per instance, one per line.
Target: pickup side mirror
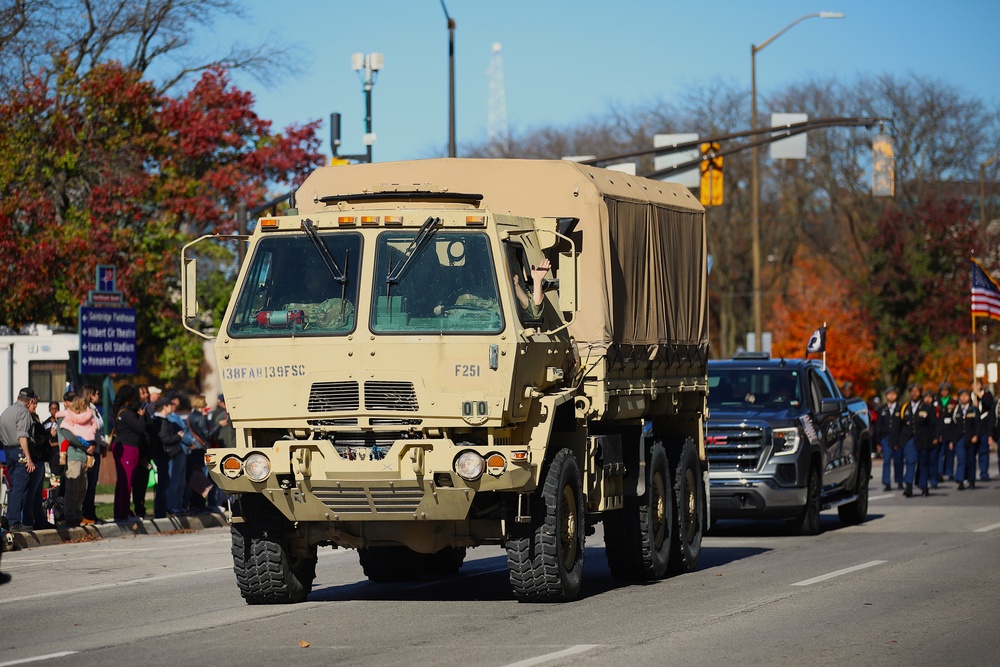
(831, 406)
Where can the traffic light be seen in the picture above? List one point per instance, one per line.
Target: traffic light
(883, 166)
(711, 175)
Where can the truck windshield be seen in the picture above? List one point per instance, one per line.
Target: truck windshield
(290, 291)
(450, 286)
(753, 387)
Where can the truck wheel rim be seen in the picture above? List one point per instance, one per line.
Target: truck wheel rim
(659, 509)
(690, 505)
(568, 527)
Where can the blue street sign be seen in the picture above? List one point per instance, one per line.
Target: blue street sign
(107, 341)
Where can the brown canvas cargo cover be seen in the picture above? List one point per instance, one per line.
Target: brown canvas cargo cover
(643, 269)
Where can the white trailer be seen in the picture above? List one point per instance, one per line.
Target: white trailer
(38, 358)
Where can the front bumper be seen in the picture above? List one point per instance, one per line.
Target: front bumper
(754, 498)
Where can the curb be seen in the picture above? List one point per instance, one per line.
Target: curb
(172, 524)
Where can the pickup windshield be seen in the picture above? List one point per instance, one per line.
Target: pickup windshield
(730, 388)
(449, 286)
(290, 291)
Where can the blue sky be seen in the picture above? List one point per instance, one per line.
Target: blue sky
(565, 61)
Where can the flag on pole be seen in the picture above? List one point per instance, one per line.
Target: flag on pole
(985, 293)
(817, 342)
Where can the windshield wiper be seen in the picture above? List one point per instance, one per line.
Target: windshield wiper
(324, 252)
(416, 245)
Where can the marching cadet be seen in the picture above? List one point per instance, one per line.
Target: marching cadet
(945, 407)
(892, 452)
(927, 440)
(987, 424)
(904, 436)
(963, 439)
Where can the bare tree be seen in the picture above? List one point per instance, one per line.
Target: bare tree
(60, 38)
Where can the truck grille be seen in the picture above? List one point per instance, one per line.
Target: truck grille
(734, 446)
(377, 499)
(381, 395)
(333, 396)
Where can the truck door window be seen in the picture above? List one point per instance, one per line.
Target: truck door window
(519, 269)
(290, 291)
(449, 287)
(821, 389)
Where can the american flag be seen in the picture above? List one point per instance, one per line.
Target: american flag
(985, 293)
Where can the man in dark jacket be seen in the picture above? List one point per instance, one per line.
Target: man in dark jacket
(963, 440)
(904, 436)
(926, 439)
(987, 423)
(886, 426)
(945, 404)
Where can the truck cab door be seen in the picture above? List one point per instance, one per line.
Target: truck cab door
(829, 415)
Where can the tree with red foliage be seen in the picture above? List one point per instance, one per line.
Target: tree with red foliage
(918, 284)
(102, 169)
(817, 294)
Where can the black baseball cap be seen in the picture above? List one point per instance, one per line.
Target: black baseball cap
(27, 394)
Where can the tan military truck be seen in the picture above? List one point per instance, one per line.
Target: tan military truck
(400, 385)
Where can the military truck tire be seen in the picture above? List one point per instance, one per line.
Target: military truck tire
(856, 512)
(637, 539)
(265, 571)
(807, 523)
(389, 564)
(545, 557)
(446, 562)
(690, 512)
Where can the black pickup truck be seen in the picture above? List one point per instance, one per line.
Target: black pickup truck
(783, 442)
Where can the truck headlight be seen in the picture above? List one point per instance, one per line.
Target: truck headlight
(470, 465)
(257, 467)
(786, 441)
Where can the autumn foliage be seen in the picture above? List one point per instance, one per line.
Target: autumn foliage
(101, 169)
(816, 295)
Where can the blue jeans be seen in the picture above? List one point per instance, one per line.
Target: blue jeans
(25, 490)
(909, 461)
(892, 462)
(177, 484)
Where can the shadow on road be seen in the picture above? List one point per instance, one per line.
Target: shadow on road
(486, 580)
(828, 522)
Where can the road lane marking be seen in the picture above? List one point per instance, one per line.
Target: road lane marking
(538, 660)
(888, 495)
(114, 584)
(986, 529)
(37, 658)
(831, 575)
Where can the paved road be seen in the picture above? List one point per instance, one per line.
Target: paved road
(919, 584)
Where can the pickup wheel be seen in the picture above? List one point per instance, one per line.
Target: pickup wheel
(545, 557)
(388, 564)
(807, 523)
(856, 512)
(690, 511)
(266, 571)
(638, 537)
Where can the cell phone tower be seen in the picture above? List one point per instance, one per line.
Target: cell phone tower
(496, 121)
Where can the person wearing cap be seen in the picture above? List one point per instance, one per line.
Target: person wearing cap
(927, 440)
(905, 433)
(964, 436)
(26, 474)
(983, 399)
(945, 461)
(885, 427)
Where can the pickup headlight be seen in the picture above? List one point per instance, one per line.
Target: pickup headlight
(786, 441)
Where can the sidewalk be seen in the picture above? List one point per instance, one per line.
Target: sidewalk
(111, 529)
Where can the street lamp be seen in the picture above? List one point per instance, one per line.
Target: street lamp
(755, 159)
(982, 188)
(451, 81)
(368, 66)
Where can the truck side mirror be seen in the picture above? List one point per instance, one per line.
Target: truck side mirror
(831, 406)
(567, 282)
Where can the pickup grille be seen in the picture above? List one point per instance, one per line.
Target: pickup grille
(734, 446)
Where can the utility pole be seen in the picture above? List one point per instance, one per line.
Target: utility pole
(368, 66)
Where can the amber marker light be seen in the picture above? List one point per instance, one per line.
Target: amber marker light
(268, 223)
(347, 220)
(496, 464)
(475, 220)
(520, 456)
(232, 467)
(369, 220)
(393, 219)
